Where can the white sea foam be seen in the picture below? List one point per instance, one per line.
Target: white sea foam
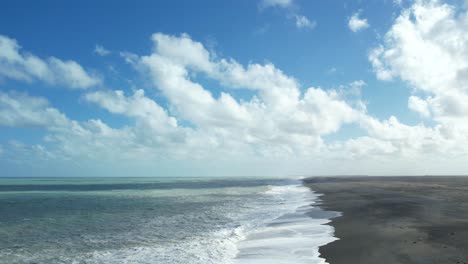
(273, 230)
(292, 238)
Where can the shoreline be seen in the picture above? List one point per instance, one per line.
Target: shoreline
(395, 219)
(294, 237)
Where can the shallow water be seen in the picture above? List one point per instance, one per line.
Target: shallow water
(148, 220)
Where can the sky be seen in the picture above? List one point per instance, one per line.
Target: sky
(233, 88)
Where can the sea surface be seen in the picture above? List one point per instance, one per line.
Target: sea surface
(160, 220)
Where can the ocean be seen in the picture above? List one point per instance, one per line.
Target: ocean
(160, 220)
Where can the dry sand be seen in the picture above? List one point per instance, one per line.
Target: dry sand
(394, 220)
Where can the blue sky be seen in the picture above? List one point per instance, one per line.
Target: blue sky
(346, 106)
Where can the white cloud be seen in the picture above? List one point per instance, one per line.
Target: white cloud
(419, 105)
(138, 106)
(332, 70)
(421, 60)
(304, 22)
(279, 3)
(24, 66)
(129, 57)
(22, 110)
(382, 72)
(66, 139)
(443, 140)
(278, 105)
(280, 121)
(364, 147)
(101, 51)
(301, 21)
(427, 48)
(356, 23)
(354, 88)
(357, 84)
(71, 74)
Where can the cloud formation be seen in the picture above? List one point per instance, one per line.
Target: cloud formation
(272, 3)
(22, 110)
(101, 51)
(304, 22)
(356, 23)
(301, 21)
(426, 48)
(277, 111)
(24, 66)
(279, 120)
(197, 116)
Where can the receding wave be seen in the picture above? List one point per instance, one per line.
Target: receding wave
(295, 237)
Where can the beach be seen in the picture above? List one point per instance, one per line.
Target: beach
(395, 219)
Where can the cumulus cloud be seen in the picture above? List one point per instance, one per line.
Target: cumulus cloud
(138, 106)
(417, 141)
(24, 66)
(277, 112)
(365, 147)
(66, 139)
(279, 3)
(427, 48)
(301, 21)
(357, 84)
(304, 22)
(419, 105)
(356, 23)
(101, 51)
(278, 120)
(22, 110)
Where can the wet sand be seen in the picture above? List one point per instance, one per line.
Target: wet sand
(396, 219)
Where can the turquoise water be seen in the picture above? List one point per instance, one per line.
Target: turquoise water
(134, 220)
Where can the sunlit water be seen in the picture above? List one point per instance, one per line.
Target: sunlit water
(146, 220)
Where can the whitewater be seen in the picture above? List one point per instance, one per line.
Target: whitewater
(163, 220)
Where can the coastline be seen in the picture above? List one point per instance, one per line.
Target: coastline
(295, 236)
(395, 219)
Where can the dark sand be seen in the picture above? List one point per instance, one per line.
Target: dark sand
(396, 219)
